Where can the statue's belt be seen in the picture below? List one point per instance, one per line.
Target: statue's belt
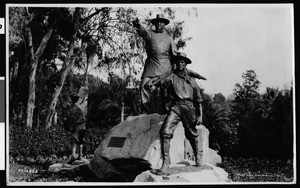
(183, 101)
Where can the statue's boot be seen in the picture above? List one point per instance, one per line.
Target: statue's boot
(146, 108)
(198, 154)
(164, 170)
(80, 152)
(73, 156)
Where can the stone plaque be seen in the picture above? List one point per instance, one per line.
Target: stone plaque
(116, 142)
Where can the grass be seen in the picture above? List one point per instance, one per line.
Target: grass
(257, 170)
(238, 169)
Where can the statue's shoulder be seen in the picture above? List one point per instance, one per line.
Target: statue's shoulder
(168, 35)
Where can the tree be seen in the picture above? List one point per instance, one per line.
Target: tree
(244, 105)
(218, 124)
(69, 61)
(17, 56)
(103, 32)
(34, 47)
(219, 98)
(246, 96)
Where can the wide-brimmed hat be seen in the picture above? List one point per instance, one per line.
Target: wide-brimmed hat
(182, 55)
(160, 17)
(74, 97)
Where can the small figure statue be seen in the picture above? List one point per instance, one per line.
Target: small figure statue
(75, 123)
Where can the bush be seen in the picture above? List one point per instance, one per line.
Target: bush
(55, 141)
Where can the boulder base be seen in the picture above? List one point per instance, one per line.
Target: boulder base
(181, 173)
(137, 140)
(133, 147)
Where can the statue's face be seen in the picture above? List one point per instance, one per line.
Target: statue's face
(160, 26)
(181, 64)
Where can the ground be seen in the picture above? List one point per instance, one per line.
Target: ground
(239, 170)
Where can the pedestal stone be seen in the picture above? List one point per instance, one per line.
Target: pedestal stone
(138, 138)
(134, 146)
(181, 173)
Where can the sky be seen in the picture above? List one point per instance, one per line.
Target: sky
(229, 40)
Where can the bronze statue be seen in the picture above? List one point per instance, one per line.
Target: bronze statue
(185, 107)
(160, 49)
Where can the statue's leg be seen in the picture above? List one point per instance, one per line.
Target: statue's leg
(81, 140)
(80, 152)
(166, 133)
(165, 153)
(191, 134)
(188, 120)
(198, 154)
(73, 156)
(146, 97)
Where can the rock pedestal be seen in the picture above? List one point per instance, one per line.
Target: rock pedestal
(187, 173)
(134, 146)
(138, 138)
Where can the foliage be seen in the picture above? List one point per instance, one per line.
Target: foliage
(218, 124)
(25, 142)
(257, 170)
(246, 96)
(216, 118)
(264, 121)
(17, 22)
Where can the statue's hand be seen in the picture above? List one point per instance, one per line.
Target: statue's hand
(149, 85)
(136, 22)
(199, 120)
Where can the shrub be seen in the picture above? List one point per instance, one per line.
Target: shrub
(55, 141)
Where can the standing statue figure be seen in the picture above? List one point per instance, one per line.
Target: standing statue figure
(185, 107)
(160, 48)
(75, 123)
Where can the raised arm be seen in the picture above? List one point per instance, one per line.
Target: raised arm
(139, 28)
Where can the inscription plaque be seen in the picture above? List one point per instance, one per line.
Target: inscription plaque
(116, 142)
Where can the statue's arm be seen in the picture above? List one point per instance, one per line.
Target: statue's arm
(173, 52)
(196, 75)
(199, 113)
(140, 28)
(197, 102)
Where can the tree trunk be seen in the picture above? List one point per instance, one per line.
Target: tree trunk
(34, 58)
(15, 83)
(64, 72)
(12, 85)
(14, 74)
(84, 92)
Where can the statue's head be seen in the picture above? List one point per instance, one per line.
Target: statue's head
(181, 60)
(160, 22)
